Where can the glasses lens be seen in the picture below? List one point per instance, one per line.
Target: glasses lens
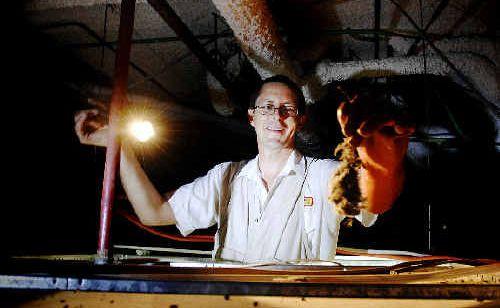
(269, 109)
(287, 111)
(265, 110)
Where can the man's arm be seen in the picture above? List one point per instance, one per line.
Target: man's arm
(148, 204)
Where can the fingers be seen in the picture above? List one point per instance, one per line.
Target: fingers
(385, 127)
(80, 118)
(82, 115)
(404, 130)
(95, 117)
(368, 127)
(89, 127)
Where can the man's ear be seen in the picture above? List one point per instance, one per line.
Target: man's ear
(250, 116)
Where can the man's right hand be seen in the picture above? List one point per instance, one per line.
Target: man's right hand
(90, 127)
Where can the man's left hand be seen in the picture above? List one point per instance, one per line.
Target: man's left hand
(381, 144)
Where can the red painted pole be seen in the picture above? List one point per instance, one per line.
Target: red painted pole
(118, 99)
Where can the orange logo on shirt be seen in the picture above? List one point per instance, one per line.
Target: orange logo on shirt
(308, 201)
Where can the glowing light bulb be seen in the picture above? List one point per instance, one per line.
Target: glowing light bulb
(142, 130)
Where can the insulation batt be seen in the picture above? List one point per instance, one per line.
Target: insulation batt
(257, 33)
(481, 72)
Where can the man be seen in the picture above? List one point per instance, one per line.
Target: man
(274, 207)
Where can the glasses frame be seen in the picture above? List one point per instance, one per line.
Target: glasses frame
(283, 111)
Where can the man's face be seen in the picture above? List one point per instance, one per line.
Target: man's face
(275, 130)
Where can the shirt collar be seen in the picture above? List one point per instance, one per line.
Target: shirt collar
(294, 164)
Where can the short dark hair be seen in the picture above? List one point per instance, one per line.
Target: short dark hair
(301, 101)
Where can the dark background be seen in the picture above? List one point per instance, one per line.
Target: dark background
(51, 197)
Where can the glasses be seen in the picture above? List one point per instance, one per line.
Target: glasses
(283, 111)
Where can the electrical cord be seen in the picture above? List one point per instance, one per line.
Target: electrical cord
(190, 238)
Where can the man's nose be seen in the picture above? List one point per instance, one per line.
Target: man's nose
(276, 112)
(277, 115)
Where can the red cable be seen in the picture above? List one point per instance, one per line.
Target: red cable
(189, 238)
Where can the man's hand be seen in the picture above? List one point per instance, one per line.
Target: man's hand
(90, 127)
(381, 143)
(148, 204)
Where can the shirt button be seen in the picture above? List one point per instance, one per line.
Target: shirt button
(256, 220)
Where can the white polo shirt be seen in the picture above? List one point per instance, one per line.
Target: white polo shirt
(293, 220)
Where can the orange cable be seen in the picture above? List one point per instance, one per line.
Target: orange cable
(189, 238)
